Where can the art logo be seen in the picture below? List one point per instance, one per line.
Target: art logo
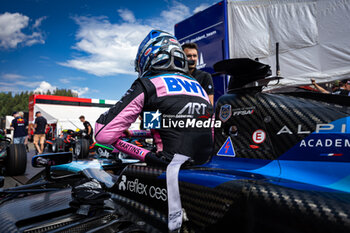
(193, 107)
(152, 120)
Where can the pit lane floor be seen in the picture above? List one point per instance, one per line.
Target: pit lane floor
(12, 181)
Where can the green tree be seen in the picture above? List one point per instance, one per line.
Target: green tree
(10, 102)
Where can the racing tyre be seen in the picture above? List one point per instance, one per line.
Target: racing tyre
(59, 145)
(16, 160)
(53, 147)
(81, 148)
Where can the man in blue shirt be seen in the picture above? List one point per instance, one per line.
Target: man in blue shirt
(20, 127)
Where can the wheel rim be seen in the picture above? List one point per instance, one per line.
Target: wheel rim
(77, 149)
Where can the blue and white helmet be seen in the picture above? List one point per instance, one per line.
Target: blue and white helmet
(160, 51)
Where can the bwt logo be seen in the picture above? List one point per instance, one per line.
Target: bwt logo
(151, 120)
(179, 85)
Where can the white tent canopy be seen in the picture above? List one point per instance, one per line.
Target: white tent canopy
(8, 125)
(67, 117)
(8, 121)
(313, 37)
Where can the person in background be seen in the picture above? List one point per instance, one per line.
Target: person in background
(19, 126)
(21, 114)
(31, 132)
(39, 132)
(336, 85)
(319, 88)
(15, 114)
(204, 78)
(88, 129)
(343, 89)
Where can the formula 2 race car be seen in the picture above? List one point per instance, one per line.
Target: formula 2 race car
(281, 163)
(72, 140)
(13, 157)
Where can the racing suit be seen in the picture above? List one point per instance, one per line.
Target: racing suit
(178, 98)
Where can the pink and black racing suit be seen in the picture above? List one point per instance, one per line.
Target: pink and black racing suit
(182, 102)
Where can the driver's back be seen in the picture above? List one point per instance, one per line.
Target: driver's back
(185, 108)
(174, 106)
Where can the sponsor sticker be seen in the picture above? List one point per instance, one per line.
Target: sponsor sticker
(227, 149)
(259, 136)
(242, 112)
(332, 154)
(325, 142)
(200, 62)
(132, 149)
(148, 51)
(319, 128)
(254, 146)
(193, 107)
(136, 186)
(178, 85)
(225, 112)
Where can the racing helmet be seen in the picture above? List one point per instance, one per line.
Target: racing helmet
(160, 51)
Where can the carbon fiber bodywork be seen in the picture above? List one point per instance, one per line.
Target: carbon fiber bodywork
(51, 212)
(271, 113)
(17, 211)
(239, 201)
(283, 183)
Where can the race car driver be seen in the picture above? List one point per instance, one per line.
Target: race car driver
(164, 90)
